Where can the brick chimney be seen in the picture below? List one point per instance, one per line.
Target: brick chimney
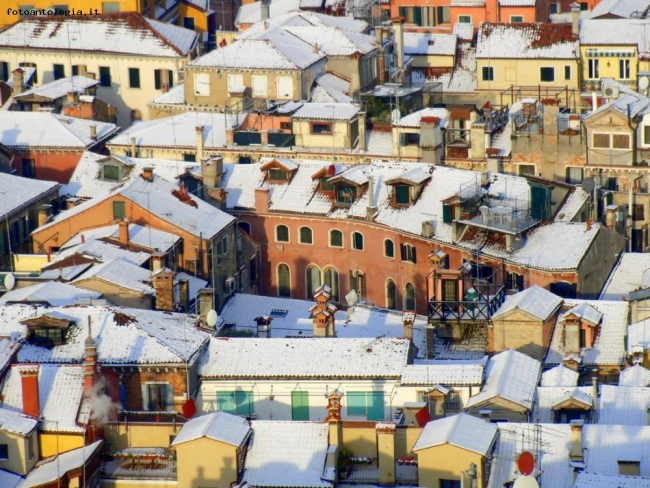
(206, 303)
(123, 226)
(575, 19)
(408, 319)
(262, 200)
(29, 382)
(18, 77)
(90, 361)
(72, 97)
(44, 212)
(163, 283)
(334, 416)
(184, 292)
(386, 452)
(323, 313)
(134, 149)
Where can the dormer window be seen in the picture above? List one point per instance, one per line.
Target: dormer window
(325, 185)
(46, 330)
(48, 337)
(279, 170)
(408, 186)
(345, 195)
(278, 175)
(112, 172)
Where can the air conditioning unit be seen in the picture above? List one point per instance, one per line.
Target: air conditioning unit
(611, 92)
(230, 284)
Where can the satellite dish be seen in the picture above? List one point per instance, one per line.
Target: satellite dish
(588, 184)
(526, 463)
(525, 482)
(644, 82)
(352, 298)
(211, 318)
(9, 281)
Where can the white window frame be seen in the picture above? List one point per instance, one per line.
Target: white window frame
(275, 236)
(202, 84)
(329, 239)
(593, 69)
(260, 86)
(520, 165)
(235, 82)
(282, 93)
(625, 68)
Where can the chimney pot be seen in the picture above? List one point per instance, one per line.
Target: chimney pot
(147, 173)
(93, 132)
(124, 232)
(18, 76)
(199, 143)
(134, 153)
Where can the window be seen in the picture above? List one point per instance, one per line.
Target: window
(332, 280)
(111, 172)
(389, 248)
(452, 402)
(29, 168)
(312, 280)
(285, 126)
(344, 195)
(235, 83)
(567, 72)
(163, 79)
(516, 19)
(391, 294)
(59, 71)
(104, 76)
(110, 7)
(624, 69)
(514, 281)
(526, 169)
(450, 484)
(547, 74)
(259, 86)
(119, 210)
(409, 297)
(574, 175)
(621, 141)
(49, 336)
(336, 238)
(235, 402)
(629, 468)
(428, 16)
(4, 71)
(4, 452)
(282, 233)
(222, 246)
(638, 211)
(357, 241)
(285, 87)
(245, 226)
(358, 283)
(584, 6)
(646, 135)
(321, 129)
(134, 78)
(443, 15)
(369, 404)
(600, 141)
(402, 194)
(300, 405)
(487, 73)
(409, 139)
(306, 235)
(188, 23)
(284, 281)
(553, 7)
(594, 69)
(464, 19)
(157, 397)
(202, 85)
(408, 253)
(30, 65)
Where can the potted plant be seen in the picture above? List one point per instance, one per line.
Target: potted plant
(344, 464)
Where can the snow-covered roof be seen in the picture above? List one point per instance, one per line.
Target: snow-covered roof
(200, 218)
(464, 31)
(535, 301)
(16, 423)
(379, 143)
(512, 376)
(55, 468)
(330, 88)
(96, 250)
(122, 33)
(123, 335)
(441, 372)
(53, 293)
(287, 454)
(635, 375)
(595, 480)
(585, 312)
(327, 111)
(628, 104)
(619, 8)
(179, 131)
(333, 41)
(576, 201)
(430, 44)
(60, 390)
(630, 273)
(36, 130)
(175, 96)
(341, 358)
(9, 479)
(414, 119)
(60, 88)
(526, 41)
(16, 192)
(8, 351)
(122, 274)
(252, 12)
(560, 375)
(462, 430)
(609, 346)
(616, 32)
(220, 426)
(86, 180)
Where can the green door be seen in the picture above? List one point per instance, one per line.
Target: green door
(299, 405)
(375, 405)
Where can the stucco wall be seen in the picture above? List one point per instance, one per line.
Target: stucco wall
(446, 462)
(206, 463)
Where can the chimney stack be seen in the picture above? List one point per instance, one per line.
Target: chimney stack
(575, 19)
(265, 9)
(18, 76)
(93, 132)
(29, 382)
(594, 395)
(184, 288)
(576, 441)
(44, 212)
(386, 452)
(90, 361)
(163, 283)
(408, 319)
(315, 48)
(123, 226)
(157, 261)
(263, 326)
(147, 173)
(371, 209)
(206, 303)
(199, 143)
(323, 313)
(72, 97)
(134, 152)
(334, 416)
(398, 35)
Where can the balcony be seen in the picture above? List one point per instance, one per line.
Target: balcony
(139, 464)
(480, 303)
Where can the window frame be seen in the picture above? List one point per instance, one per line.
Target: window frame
(396, 195)
(593, 69)
(388, 299)
(168, 397)
(464, 19)
(134, 78)
(28, 164)
(116, 214)
(280, 286)
(409, 301)
(111, 167)
(4, 452)
(277, 238)
(240, 399)
(330, 233)
(255, 92)
(408, 253)
(235, 82)
(58, 71)
(26, 64)
(310, 242)
(105, 79)
(487, 73)
(513, 17)
(624, 69)
(601, 134)
(202, 80)
(357, 243)
(548, 70)
(567, 72)
(392, 248)
(329, 128)
(158, 78)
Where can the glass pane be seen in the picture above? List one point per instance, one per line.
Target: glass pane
(336, 238)
(356, 403)
(389, 248)
(376, 405)
(226, 401)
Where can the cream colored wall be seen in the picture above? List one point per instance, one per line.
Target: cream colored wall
(521, 332)
(501, 410)
(413, 151)
(122, 297)
(362, 441)
(608, 122)
(120, 436)
(525, 72)
(405, 439)
(119, 94)
(340, 138)
(446, 462)
(206, 463)
(153, 483)
(30, 262)
(611, 71)
(430, 61)
(52, 443)
(18, 460)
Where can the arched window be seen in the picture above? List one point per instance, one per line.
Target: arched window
(391, 294)
(357, 241)
(389, 248)
(336, 238)
(284, 281)
(332, 280)
(313, 280)
(245, 226)
(306, 235)
(282, 233)
(409, 297)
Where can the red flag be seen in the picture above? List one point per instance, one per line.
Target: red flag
(423, 416)
(189, 408)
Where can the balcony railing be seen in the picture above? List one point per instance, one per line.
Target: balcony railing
(488, 301)
(133, 465)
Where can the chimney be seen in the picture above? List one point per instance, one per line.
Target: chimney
(206, 303)
(199, 143)
(81, 70)
(398, 35)
(123, 226)
(386, 452)
(263, 326)
(157, 259)
(212, 171)
(576, 441)
(18, 76)
(323, 313)
(575, 19)
(265, 9)
(72, 97)
(371, 209)
(44, 212)
(594, 395)
(362, 132)
(134, 153)
(262, 200)
(184, 292)
(408, 318)
(93, 132)
(147, 173)
(334, 416)
(29, 382)
(90, 361)
(163, 283)
(315, 48)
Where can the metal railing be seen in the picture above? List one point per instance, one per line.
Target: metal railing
(490, 298)
(137, 467)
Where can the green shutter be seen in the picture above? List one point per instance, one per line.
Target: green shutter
(299, 405)
(226, 401)
(446, 214)
(243, 403)
(417, 15)
(356, 402)
(375, 405)
(402, 12)
(402, 140)
(541, 202)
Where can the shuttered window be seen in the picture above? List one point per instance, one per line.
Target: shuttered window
(235, 402)
(157, 397)
(299, 405)
(285, 87)
(366, 403)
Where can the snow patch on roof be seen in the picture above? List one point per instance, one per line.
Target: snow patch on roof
(460, 430)
(220, 426)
